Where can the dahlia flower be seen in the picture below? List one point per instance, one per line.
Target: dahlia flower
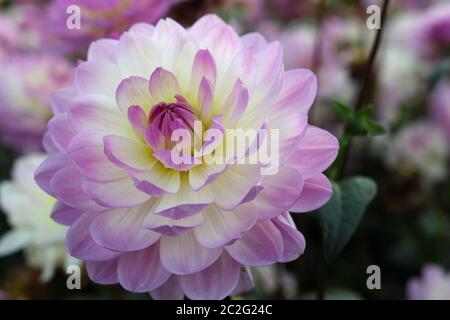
(140, 218)
(26, 82)
(433, 285)
(100, 19)
(27, 208)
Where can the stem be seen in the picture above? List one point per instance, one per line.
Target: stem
(365, 84)
(372, 57)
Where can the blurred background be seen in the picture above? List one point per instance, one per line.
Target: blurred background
(389, 103)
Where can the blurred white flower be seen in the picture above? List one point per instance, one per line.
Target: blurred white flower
(270, 279)
(400, 80)
(28, 212)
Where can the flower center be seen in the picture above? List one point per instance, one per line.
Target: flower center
(168, 117)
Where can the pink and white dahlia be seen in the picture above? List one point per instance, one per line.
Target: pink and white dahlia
(26, 83)
(139, 217)
(99, 19)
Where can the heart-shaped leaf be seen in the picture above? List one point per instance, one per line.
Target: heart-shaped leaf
(341, 215)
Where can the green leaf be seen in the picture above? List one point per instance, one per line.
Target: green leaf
(358, 123)
(344, 112)
(341, 215)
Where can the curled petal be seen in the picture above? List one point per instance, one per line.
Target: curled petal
(316, 153)
(163, 85)
(261, 246)
(293, 240)
(64, 214)
(134, 91)
(316, 192)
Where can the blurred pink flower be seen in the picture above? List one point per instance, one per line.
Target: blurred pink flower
(100, 19)
(440, 103)
(152, 225)
(436, 30)
(21, 29)
(433, 285)
(26, 82)
(421, 147)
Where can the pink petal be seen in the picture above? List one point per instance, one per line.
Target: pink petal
(138, 120)
(98, 113)
(116, 194)
(236, 103)
(103, 272)
(130, 155)
(154, 138)
(220, 227)
(316, 192)
(64, 214)
(280, 192)
(163, 85)
(172, 227)
(316, 153)
(204, 67)
(86, 152)
(293, 240)
(184, 255)
(72, 193)
(261, 246)
(121, 229)
(205, 99)
(134, 91)
(214, 283)
(298, 91)
(45, 172)
(80, 244)
(103, 50)
(170, 290)
(60, 131)
(141, 271)
(98, 77)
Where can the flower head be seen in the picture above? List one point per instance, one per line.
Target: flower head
(421, 147)
(26, 83)
(100, 19)
(193, 228)
(434, 285)
(32, 230)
